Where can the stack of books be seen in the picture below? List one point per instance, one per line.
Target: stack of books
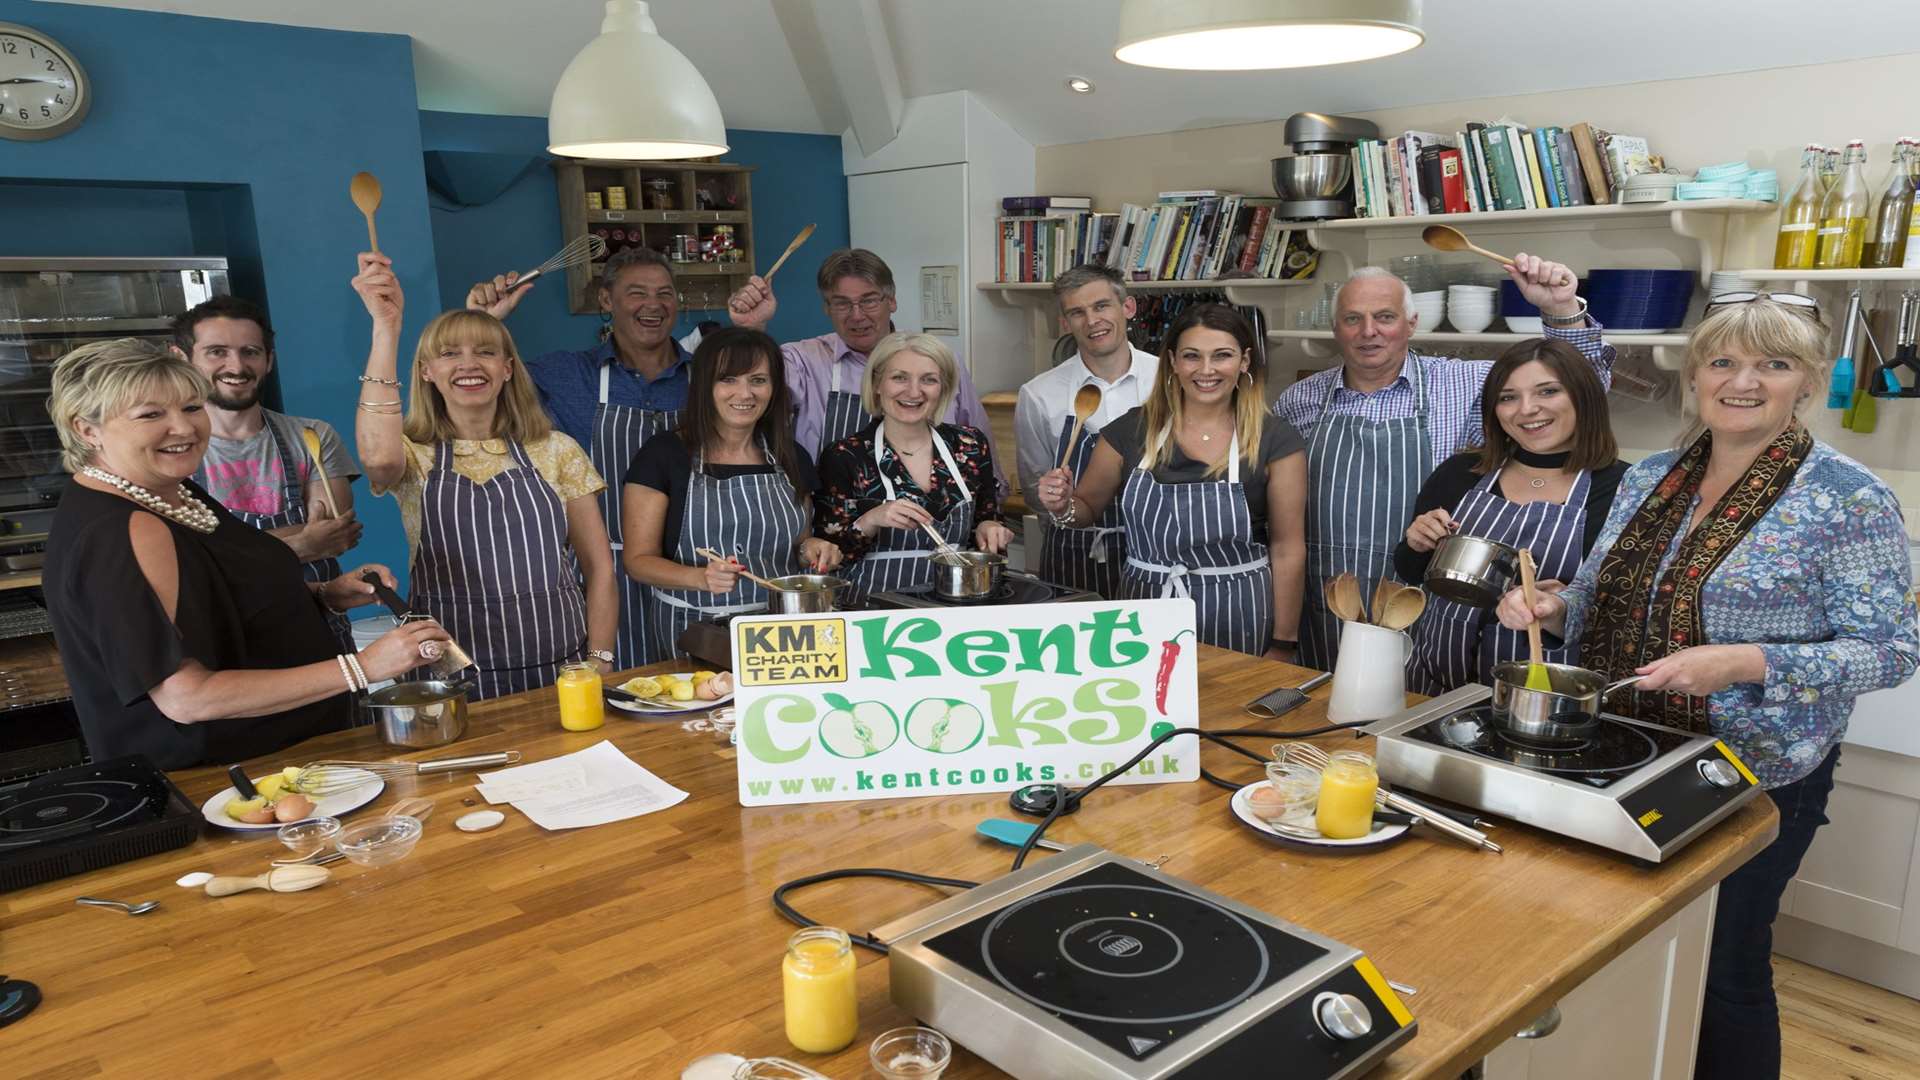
(1493, 167)
(1183, 236)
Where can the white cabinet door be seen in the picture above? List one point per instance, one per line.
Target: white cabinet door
(1857, 876)
(1637, 1017)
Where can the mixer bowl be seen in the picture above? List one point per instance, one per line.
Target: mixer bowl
(1304, 177)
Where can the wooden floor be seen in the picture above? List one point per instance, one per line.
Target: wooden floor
(1834, 1028)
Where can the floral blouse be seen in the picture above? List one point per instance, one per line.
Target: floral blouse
(1822, 584)
(850, 483)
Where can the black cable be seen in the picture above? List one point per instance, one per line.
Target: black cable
(780, 894)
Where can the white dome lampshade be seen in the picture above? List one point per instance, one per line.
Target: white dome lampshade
(1243, 35)
(630, 95)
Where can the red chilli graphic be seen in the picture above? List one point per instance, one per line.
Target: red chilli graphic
(1169, 654)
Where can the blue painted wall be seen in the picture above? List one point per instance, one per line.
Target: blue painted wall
(798, 180)
(82, 220)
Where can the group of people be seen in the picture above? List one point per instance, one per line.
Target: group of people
(591, 504)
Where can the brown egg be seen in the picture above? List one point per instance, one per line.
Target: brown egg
(293, 808)
(1266, 803)
(262, 816)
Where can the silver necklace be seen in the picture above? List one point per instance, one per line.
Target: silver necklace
(191, 512)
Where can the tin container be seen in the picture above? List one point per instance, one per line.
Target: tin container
(616, 198)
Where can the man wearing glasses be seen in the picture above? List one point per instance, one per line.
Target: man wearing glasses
(824, 373)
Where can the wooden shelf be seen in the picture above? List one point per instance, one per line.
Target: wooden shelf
(1154, 286)
(1813, 276)
(702, 286)
(29, 579)
(1617, 338)
(1532, 219)
(667, 217)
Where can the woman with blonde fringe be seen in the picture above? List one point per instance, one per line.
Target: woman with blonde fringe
(1212, 489)
(499, 508)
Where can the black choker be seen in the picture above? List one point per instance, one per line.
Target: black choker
(1542, 461)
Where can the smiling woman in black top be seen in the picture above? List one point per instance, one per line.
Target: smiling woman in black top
(187, 635)
(1544, 481)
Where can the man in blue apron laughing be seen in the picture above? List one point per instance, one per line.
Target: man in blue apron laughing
(1378, 423)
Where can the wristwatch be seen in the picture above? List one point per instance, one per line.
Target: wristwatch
(601, 655)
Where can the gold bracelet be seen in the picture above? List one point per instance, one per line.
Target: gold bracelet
(395, 383)
(382, 408)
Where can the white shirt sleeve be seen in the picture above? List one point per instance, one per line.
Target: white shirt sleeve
(1035, 435)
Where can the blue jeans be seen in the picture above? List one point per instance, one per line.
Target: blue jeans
(1740, 1020)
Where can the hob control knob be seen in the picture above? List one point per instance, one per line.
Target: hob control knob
(1720, 772)
(1343, 1016)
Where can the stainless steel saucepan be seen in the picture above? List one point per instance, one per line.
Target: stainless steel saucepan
(1564, 716)
(966, 575)
(1472, 570)
(803, 594)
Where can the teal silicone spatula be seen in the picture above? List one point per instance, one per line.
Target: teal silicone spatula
(1013, 833)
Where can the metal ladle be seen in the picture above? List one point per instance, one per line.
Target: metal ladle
(132, 909)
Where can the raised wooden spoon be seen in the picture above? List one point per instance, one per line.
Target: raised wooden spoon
(1085, 404)
(791, 248)
(365, 190)
(1448, 238)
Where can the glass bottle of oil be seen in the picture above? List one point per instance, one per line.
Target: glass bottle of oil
(1843, 219)
(1887, 239)
(1800, 215)
(1829, 169)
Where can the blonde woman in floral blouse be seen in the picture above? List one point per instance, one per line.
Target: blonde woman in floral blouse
(1758, 579)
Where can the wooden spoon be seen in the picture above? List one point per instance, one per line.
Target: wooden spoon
(1382, 592)
(1085, 404)
(744, 572)
(365, 190)
(1448, 238)
(791, 248)
(1403, 608)
(1537, 677)
(278, 879)
(312, 439)
(1343, 598)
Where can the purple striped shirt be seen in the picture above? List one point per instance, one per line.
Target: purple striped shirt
(1453, 393)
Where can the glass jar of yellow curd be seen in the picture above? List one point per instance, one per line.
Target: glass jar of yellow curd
(581, 706)
(823, 1008)
(1347, 787)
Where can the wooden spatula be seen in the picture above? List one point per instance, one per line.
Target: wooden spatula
(744, 572)
(1085, 404)
(365, 190)
(1383, 591)
(1537, 677)
(791, 248)
(312, 439)
(1448, 238)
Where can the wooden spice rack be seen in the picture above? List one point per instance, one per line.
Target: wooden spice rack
(665, 200)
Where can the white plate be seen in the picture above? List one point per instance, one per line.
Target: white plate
(338, 804)
(1382, 834)
(655, 707)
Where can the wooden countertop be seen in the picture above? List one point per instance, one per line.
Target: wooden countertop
(629, 949)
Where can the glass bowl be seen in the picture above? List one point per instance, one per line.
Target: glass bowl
(1298, 789)
(380, 841)
(303, 838)
(911, 1053)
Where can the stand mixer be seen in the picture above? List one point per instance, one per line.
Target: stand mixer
(1317, 181)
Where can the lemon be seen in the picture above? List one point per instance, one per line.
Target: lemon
(681, 691)
(642, 687)
(239, 808)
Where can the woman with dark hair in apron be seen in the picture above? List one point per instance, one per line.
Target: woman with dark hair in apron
(1544, 482)
(1211, 488)
(500, 509)
(730, 479)
(881, 488)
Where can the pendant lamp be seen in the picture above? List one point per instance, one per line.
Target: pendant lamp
(630, 95)
(1242, 35)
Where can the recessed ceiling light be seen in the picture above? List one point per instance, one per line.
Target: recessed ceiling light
(1243, 35)
(1079, 85)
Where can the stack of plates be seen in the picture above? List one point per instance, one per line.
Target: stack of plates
(1470, 307)
(1431, 307)
(1642, 301)
(1726, 281)
(1763, 184)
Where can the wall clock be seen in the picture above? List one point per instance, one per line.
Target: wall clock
(43, 90)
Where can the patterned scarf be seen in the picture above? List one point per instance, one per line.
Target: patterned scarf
(1637, 619)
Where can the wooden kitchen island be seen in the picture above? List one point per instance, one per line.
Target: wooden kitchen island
(627, 950)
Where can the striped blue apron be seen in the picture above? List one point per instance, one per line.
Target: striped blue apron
(618, 433)
(1089, 558)
(898, 558)
(495, 569)
(1454, 644)
(1196, 540)
(845, 417)
(755, 519)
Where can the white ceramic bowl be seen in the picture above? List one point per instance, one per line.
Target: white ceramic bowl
(1470, 323)
(1524, 324)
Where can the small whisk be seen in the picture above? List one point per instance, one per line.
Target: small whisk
(1302, 753)
(333, 777)
(580, 249)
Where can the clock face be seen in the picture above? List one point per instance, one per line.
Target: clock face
(42, 89)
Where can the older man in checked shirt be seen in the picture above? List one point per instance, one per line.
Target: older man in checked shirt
(1378, 424)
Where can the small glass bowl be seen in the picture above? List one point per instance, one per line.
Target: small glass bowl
(303, 838)
(380, 841)
(1298, 788)
(910, 1053)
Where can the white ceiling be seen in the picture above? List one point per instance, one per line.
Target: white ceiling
(503, 56)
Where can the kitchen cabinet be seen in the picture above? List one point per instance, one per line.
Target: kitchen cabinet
(1637, 1017)
(671, 207)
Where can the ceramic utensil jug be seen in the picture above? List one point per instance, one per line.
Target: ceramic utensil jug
(1370, 676)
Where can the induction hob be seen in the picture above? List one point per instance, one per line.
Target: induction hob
(1016, 587)
(1636, 788)
(87, 817)
(1091, 965)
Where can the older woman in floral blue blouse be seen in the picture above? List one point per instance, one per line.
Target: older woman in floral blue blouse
(1758, 580)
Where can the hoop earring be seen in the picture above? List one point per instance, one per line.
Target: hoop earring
(1248, 376)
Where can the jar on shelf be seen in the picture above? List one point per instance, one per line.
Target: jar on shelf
(616, 198)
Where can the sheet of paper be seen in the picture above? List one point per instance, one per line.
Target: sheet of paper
(615, 787)
(556, 776)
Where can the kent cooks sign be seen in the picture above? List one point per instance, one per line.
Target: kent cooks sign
(879, 705)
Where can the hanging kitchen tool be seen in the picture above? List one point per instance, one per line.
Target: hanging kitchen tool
(580, 249)
(1887, 383)
(1840, 385)
(365, 190)
(1865, 414)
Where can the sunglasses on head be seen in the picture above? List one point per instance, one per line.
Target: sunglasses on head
(1800, 302)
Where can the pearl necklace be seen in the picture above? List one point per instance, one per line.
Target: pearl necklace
(191, 512)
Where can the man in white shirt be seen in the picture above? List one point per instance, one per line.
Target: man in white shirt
(1094, 308)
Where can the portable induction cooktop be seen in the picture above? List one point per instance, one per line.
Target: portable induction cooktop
(1015, 588)
(1636, 788)
(87, 817)
(1091, 965)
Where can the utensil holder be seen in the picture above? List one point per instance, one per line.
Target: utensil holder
(1370, 675)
